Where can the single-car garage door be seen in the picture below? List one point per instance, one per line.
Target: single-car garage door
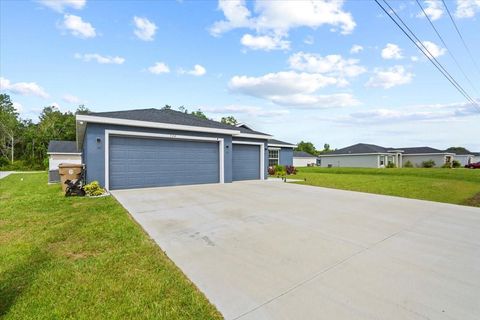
(246, 162)
(146, 162)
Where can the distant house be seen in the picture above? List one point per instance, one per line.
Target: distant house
(364, 155)
(304, 159)
(466, 157)
(61, 152)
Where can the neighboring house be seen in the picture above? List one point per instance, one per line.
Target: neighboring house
(363, 155)
(280, 152)
(61, 152)
(304, 159)
(158, 147)
(476, 157)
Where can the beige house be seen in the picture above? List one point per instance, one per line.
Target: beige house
(364, 155)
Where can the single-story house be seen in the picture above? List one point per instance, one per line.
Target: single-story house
(304, 159)
(280, 153)
(476, 157)
(162, 147)
(364, 155)
(465, 157)
(61, 152)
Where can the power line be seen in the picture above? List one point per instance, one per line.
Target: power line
(448, 49)
(461, 37)
(429, 56)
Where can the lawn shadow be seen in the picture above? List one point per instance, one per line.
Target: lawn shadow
(17, 280)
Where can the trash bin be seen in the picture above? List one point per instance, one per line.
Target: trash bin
(69, 171)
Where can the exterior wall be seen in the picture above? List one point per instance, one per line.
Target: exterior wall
(55, 159)
(476, 159)
(351, 161)
(304, 162)
(265, 155)
(94, 152)
(464, 159)
(417, 160)
(286, 157)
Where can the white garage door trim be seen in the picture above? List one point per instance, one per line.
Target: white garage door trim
(161, 136)
(262, 155)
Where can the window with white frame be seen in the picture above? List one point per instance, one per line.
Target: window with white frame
(273, 157)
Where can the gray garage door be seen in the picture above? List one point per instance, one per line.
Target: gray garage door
(141, 162)
(246, 162)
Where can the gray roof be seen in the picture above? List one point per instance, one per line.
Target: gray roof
(360, 148)
(56, 146)
(303, 154)
(421, 150)
(275, 141)
(172, 117)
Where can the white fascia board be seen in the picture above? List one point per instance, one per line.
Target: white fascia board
(282, 145)
(148, 124)
(253, 136)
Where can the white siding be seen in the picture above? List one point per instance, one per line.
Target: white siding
(304, 162)
(55, 159)
(351, 161)
(417, 160)
(464, 159)
(476, 159)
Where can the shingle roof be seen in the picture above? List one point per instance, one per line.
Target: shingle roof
(56, 146)
(302, 154)
(421, 150)
(171, 117)
(360, 148)
(275, 141)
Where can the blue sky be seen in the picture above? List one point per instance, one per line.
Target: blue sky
(337, 72)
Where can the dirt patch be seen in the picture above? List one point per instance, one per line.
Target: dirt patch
(474, 201)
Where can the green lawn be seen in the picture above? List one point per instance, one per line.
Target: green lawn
(458, 186)
(84, 259)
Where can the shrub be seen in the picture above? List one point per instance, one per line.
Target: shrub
(279, 170)
(408, 164)
(291, 170)
(447, 165)
(93, 189)
(391, 165)
(456, 164)
(428, 164)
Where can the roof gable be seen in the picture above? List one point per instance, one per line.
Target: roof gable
(58, 146)
(360, 148)
(303, 154)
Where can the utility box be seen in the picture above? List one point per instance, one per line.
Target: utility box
(69, 171)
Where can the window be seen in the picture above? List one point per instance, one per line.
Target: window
(273, 157)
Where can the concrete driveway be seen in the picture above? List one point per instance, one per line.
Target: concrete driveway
(272, 250)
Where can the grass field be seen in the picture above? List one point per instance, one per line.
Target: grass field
(84, 259)
(458, 186)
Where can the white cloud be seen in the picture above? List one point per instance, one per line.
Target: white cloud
(467, 8)
(18, 106)
(68, 98)
(158, 68)
(61, 5)
(291, 88)
(433, 9)
(144, 28)
(392, 51)
(23, 88)
(445, 112)
(414, 58)
(99, 58)
(434, 49)
(253, 111)
(276, 18)
(390, 77)
(265, 43)
(332, 65)
(197, 71)
(356, 49)
(78, 27)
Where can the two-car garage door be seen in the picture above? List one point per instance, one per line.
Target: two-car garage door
(145, 162)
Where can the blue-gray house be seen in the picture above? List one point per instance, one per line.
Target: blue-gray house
(163, 147)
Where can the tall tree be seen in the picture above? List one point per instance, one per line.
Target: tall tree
(306, 147)
(229, 120)
(459, 150)
(9, 127)
(199, 114)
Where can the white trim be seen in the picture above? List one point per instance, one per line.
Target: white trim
(149, 124)
(253, 136)
(161, 136)
(273, 148)
(427, 154)
(282, 145)
(65, 153)
(243, 124)
(262, 155)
